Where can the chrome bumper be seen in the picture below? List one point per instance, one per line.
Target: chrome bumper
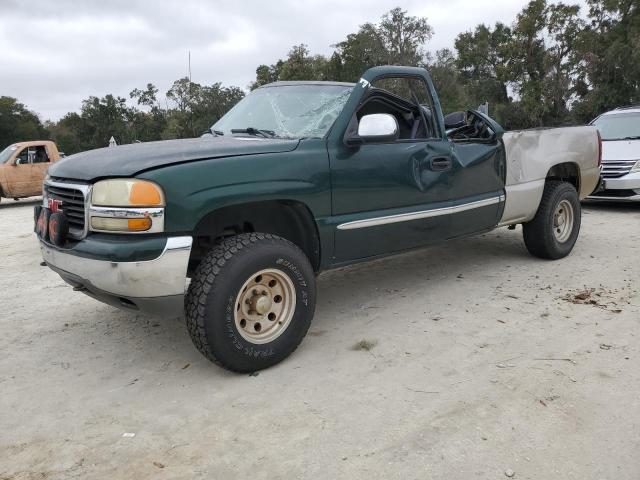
(630, 181)
(157, 285)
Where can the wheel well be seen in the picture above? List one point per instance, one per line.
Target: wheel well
(287, 219)
(567, 172)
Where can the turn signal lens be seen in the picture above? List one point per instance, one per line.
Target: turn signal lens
(139, 224)
(119, 192)
(121, 224)
(145, 194)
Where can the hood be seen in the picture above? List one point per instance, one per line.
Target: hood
(620, 150)
(129, 160)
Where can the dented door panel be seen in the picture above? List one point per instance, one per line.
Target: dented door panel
(378, 181)
(477, 179)
(531, 154)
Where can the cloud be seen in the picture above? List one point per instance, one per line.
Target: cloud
(56, 53)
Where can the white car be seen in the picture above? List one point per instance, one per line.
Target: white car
(620, 132)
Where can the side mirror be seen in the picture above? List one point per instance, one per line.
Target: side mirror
(375, 128)
(455, 120)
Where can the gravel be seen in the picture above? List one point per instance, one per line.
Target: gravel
(511, 373)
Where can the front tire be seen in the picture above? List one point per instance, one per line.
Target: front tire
(554, 230)
(250, 302)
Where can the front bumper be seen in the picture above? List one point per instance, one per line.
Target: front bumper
(626, 187)
(155, 286)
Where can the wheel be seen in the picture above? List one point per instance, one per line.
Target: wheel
(554, 230)
(251, 301)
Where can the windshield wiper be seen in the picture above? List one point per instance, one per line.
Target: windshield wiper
(637, 137)
(211, 131)
(255, 131)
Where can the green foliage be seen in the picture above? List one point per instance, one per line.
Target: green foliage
(608, 58)
(193, 109)
(17, 123)
(397, 40)
(554, 65)
(448, 82)
(197, 107)
(299, 65)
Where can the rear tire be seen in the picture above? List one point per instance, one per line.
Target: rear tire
(554, 230)
(250, 302)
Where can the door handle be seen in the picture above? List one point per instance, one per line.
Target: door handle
(441, 164)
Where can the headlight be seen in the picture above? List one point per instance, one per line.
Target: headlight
(127, 205)
(636, 167)
(127, 193)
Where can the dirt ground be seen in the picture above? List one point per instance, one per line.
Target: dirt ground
(469, 360)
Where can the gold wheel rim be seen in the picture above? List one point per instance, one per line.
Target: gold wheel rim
(264, 306)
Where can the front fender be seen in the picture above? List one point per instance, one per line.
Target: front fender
(193, 190)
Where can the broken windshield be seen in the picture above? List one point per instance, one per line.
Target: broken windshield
(290, 111)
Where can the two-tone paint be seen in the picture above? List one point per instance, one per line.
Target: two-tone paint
(361, 202)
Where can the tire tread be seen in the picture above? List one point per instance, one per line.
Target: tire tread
(212, 266)
(538, 234)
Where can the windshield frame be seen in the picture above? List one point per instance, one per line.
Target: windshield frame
(345, 92)
(618, 114)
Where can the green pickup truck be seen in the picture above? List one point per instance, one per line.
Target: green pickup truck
(231, 229)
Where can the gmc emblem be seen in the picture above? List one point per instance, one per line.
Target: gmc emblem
(54, 205)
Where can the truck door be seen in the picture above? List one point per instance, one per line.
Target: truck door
(477, 176)
(388, 195)
(18, 173)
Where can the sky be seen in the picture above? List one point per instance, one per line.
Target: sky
(55, 53)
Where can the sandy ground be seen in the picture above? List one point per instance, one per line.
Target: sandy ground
(479, 366)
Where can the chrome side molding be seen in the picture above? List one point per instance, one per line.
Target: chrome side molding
(407, 217)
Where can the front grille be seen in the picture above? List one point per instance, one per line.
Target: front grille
(616, 168)
(73, 206)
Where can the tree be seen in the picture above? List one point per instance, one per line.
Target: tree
(266, 74)
(17, 123)
(106, 117)
(197, 107)
(448, 82)
(147, 97)
(551, 66)
(527, 61)
(563, 26)
(68, 134)
(398, 39)
(608, 58)
(482, 61)
(299, 65)
(358, 52)
(403, 37)
(541, 68)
